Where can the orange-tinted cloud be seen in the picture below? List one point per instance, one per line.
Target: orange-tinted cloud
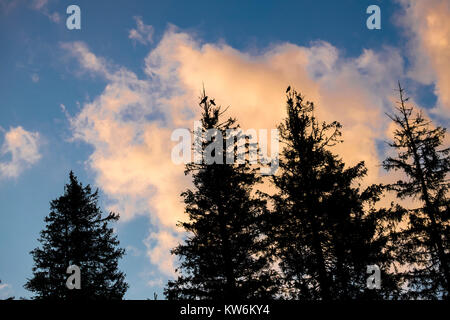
(129, 124)
(428, 25)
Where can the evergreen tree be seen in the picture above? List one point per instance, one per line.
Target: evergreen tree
(424, 244)
(76, 233)
(324, 229)
(223, 256)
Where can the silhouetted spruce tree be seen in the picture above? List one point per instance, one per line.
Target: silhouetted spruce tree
(77, 234)
(324, 229)
(223, 256)
(424, 244)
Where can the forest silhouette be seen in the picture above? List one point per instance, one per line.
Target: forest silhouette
(313, 239)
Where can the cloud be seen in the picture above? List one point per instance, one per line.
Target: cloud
(135, 252)
(23, 148)
(156, 282)
(39, 4)
(36, 5)
(142, 34)
(35, 77)
(428, 25)
(129, 124)
(5, 290)
(159, 246)
(87, 59)
(125, 124)
(355, 92)
(4, 286)
(42, 7)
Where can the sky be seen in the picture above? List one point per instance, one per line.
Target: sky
(103, 101)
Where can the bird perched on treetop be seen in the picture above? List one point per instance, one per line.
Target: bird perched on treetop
(212, 102)
(288, 89)
(204, 99)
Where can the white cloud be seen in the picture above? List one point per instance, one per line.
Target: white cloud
(22, 148)
(5, 290)
(156, 282)
(143, 33)
(87, 59)
(159, 245)
(4, 286)
(135, 252)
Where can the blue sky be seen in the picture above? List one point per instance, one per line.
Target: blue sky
(46, 86)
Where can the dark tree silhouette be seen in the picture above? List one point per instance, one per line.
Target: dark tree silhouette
(76, 233)
(223, 256)
(424, 243)
(324, 229)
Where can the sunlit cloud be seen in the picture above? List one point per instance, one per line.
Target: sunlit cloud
(427, 23)
(88, 61)
(142, 34)
(130, 122)
(19, 151)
